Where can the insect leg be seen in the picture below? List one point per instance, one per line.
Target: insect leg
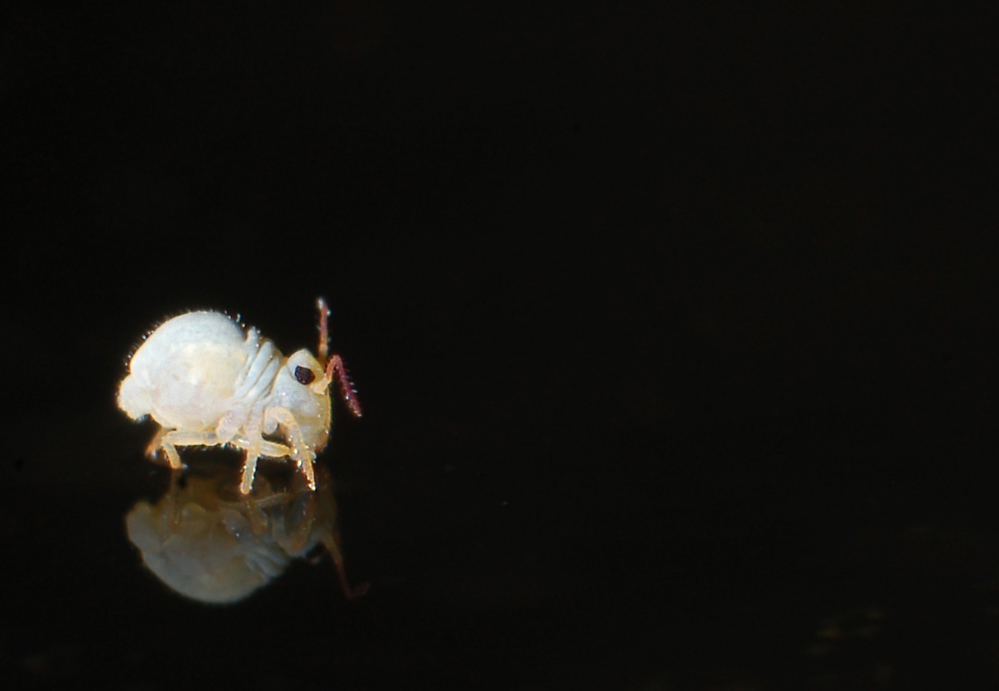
(160, 442)
(178, 438)
(168, 441)
(265, 448)
(256, 448)
(249, 470)
(301, 453)
(300, 535)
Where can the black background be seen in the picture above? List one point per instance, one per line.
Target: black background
(673, 330)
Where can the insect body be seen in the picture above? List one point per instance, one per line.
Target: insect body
(207, 383)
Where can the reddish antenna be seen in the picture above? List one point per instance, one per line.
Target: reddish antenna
(324, 334)
(334, 364)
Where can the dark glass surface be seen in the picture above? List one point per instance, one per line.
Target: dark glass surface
(673, 331)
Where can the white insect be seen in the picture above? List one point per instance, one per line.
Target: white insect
(207, 383)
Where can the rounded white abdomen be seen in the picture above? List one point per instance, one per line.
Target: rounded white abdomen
(185, 373)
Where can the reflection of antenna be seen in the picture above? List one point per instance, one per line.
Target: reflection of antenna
(334, 549)
(334, 365)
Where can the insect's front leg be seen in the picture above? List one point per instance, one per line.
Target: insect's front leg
(300, 452)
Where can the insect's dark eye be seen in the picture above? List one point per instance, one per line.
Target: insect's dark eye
(303, 375)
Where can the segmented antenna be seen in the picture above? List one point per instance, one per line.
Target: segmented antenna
(347, 390)
(324, 334)
(334, 365)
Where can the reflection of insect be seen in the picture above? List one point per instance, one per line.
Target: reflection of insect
(206, 383)
(210, 544)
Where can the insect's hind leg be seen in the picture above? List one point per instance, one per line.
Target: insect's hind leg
(169, 440)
